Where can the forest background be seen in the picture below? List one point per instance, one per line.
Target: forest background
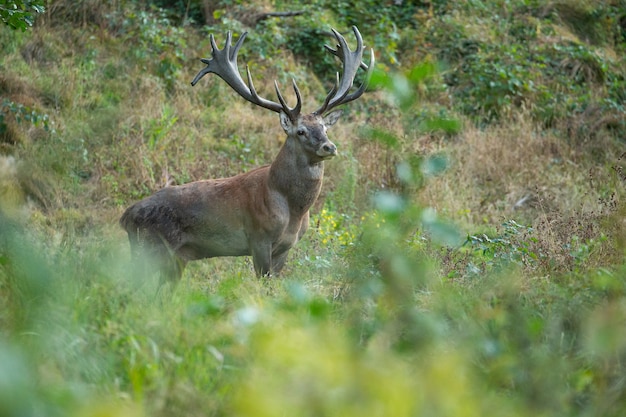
(466, 256)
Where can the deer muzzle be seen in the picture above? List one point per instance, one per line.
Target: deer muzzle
(327, 150)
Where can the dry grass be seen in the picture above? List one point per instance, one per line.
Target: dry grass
(516, 171)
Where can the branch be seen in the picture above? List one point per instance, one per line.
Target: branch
(264, 16)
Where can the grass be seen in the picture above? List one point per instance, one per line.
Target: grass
(474, 271)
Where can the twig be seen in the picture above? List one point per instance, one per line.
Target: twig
(264, 16)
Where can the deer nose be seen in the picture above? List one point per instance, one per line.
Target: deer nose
(330, 149)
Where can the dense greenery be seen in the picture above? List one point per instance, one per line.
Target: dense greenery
(466, 256)
(20, 14)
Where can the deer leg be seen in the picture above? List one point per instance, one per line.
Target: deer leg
(171, 270)
(158, 257)
(139, 252)
(262, 258)
(278, 262)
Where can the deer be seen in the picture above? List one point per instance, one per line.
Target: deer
(261, 213)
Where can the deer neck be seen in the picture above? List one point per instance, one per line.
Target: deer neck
(296, 176)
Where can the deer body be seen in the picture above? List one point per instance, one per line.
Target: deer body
(261, 213)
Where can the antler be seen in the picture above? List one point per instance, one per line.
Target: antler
(351, 63)
(224, 63)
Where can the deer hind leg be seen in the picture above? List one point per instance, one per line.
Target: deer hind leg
(171, 269)
(139, 255)
(152, 254)
(169, 265)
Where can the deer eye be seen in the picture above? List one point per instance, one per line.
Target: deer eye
(300, 132)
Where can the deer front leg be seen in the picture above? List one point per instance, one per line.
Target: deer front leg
(262, 258)
(278, 262)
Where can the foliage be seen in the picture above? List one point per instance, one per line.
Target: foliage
(335, 228)
(489, 78)
(20, 14)
(21, 113)
(511, 246)
(157, 38)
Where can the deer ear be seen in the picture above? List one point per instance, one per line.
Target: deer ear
(332, 117)
(285, 121)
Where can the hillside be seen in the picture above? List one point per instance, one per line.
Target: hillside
(466, 254)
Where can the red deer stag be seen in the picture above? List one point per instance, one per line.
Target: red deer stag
(263, 212)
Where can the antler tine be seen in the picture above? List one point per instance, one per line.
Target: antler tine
(330, 95)
(352, 61)
(338, 55)
(235, 50)
(359, 92)
(229, 40)
(214, 45)
(223, 62)
(291, 112)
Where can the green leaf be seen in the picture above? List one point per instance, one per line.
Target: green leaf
(19, 14)
(380, 78)
(442, 232)
(388, 202)
(422, 72)
(434, 165)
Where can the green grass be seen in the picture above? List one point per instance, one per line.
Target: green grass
(456, 264)
(84, 331)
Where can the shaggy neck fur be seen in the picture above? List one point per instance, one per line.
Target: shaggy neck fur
(297, 175)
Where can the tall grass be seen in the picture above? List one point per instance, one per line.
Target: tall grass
(379, 333)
